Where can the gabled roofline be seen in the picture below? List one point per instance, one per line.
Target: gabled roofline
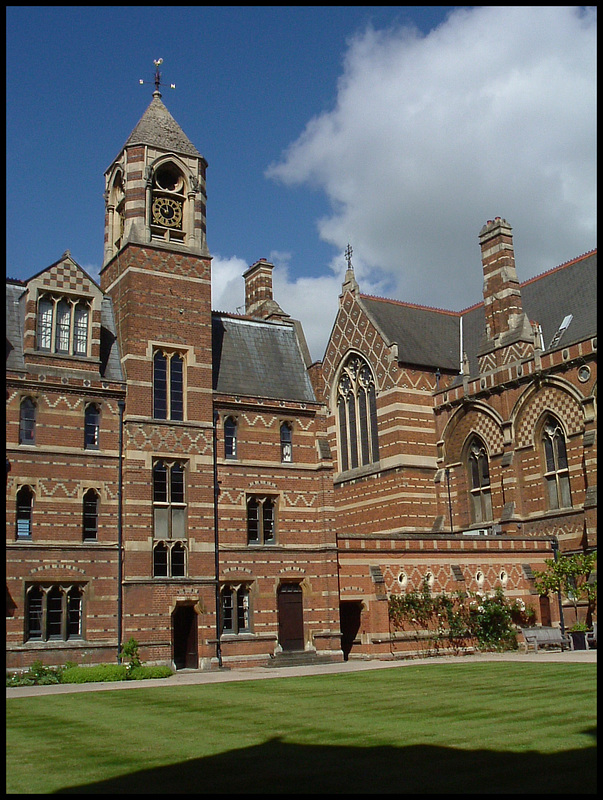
(422, 307)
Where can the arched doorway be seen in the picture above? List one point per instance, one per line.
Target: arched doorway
(350, 612)
(184, 637)
(290, 604)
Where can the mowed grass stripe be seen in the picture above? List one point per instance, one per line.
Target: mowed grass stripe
(469, 727)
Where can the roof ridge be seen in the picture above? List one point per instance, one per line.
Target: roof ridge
(560, 266)
(409, 304)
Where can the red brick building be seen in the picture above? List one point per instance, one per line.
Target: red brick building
(189, 478)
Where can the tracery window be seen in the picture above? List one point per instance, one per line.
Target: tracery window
(556, 470)
(479, 481)
(357, 415)
(168, 385)
(63, 325)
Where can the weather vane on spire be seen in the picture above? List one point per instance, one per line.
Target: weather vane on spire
(157, 79)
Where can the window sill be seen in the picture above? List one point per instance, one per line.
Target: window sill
(358, 472)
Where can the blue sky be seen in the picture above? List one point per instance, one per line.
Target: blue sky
(398, 129)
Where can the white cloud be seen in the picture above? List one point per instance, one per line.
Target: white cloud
(491, 114)
(227, 286)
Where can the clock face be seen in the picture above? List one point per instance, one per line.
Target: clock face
(167, 212)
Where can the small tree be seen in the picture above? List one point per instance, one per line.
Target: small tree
(569, 575)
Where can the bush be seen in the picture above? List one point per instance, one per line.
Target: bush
(460, 617)
(98, 673)
(142, 673)
(36, 675)
(39, 675)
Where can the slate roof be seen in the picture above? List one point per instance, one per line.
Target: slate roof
(430, 337)
(255, 358)
(15, 316)
(426, 337)
(158, 128)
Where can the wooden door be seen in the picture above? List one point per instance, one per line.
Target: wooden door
(290, 616)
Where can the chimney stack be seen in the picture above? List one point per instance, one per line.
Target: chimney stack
(258, 291)
(502, 295)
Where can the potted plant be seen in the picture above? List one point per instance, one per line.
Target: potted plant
(578, 633)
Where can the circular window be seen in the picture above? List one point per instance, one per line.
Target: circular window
(583, 374)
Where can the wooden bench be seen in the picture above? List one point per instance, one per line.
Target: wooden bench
(545, 636)
(591, 638)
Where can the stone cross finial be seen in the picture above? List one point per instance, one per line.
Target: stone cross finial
(348, 255)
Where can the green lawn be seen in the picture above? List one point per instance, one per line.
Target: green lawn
(429, 728)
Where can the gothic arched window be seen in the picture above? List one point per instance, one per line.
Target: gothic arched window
(91, 426)
(357, 414)
(556, 470)
(27, 421)
(286, 443)
(479, 481)
(230, 437)
(90, 515)
(25, 499)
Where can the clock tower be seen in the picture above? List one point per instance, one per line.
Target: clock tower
(157, 271)
(155, 188)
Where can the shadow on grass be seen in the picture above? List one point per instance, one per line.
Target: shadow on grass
(277, 766)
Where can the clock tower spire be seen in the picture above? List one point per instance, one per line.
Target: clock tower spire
(155, 188)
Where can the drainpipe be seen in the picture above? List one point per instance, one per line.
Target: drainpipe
(555, 549)
(449, 499)
(216, 544)
(121, 405)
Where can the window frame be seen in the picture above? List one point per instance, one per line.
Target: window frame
(63, 324)
(169, 547)
(264, 522)
(62, 619)
(92, 421)
(556, 473)
(356, 414)
(235, 609)
(479, 482)
(169, 368)
(88, 514)
(21, 508)
(169, 495)
(286, 436)
(231, 430)
(27, 422)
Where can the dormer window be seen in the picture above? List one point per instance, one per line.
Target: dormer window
(63, 325)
